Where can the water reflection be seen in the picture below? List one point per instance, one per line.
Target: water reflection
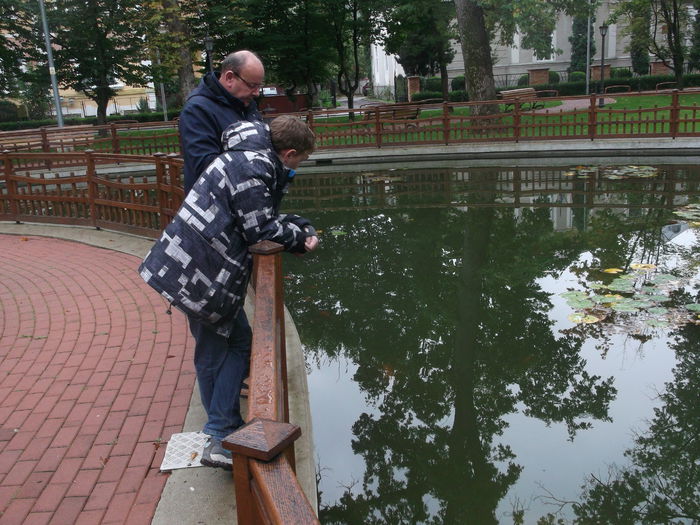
(435, 286)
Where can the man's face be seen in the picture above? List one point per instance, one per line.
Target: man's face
(245, 84)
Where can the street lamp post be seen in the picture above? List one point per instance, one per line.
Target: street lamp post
(603, 32)
(52, 69)
(209, 46)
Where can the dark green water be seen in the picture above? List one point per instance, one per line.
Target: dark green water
(447, 381)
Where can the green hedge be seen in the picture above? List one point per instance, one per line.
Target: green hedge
(152, 116)
(457, 84)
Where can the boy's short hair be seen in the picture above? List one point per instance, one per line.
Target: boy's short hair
(288, 132)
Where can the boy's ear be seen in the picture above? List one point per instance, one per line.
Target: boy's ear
(287, 154)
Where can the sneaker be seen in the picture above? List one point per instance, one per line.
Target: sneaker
(214, 455)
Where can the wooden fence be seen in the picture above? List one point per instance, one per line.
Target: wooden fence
(100, 190)
(580, 117)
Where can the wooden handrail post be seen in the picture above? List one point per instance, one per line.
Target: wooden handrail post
(446, 122)
(91, 185)
(161, 195)
(45, 146)
(592, 114)
(378, 127)
(115, 138)
(675, 113)
(10, 184)
(256, 448)
(516, 122)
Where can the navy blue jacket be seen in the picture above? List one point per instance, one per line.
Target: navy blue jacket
(209, 110)
(201, 263)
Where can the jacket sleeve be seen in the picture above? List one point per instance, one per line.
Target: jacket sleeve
(201, 141)
(252, 205)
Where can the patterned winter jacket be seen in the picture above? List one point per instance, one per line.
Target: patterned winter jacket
(201, 263)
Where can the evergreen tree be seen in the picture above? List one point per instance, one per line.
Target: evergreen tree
(694, 53)
(578, 40)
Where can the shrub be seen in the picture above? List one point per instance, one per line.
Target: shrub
(425, 95)
(458, 83)
(620, 72)
(577, 76)
(8, 111)
(459, 95)
(524, 80)
(432, 84)
(553, 77)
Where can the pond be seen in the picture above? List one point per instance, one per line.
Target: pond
(502, 345)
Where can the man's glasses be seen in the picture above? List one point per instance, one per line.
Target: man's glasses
(251, 85)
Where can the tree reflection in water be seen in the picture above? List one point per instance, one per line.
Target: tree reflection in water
(443, 313)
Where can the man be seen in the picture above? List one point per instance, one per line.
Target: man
(202, 265)
(218, 101)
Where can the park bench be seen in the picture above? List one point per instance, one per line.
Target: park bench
(400, 111)
(618, 88)
(525, 96)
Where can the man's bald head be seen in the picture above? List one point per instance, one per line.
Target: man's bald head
(242, 75)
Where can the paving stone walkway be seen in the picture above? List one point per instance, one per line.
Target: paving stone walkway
(94, 377)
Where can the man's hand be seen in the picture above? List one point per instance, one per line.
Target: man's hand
(311, 243)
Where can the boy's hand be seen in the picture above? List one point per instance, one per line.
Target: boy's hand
(311, 243)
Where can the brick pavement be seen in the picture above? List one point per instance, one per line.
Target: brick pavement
(94, 378)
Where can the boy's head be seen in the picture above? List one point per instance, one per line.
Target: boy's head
(292, 139)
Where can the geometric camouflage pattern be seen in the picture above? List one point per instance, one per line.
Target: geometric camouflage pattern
(201, 263)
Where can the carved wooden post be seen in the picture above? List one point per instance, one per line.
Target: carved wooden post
(516, 121)
(446, 122)
(592, 113)
(378, 127)
(161, 194)
(115, 138)
(91, 185)
(256, 449)
(10, 184)
(675, 114)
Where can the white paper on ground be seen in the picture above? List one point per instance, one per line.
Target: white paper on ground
(184, 450)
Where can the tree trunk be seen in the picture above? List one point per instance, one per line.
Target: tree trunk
(445, 82)
(179, 31)
(476, 50)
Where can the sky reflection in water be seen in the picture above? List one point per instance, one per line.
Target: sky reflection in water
(448, 384)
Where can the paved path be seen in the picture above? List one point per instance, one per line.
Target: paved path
(94, 376)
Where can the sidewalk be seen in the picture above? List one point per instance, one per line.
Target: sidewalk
(94, 379)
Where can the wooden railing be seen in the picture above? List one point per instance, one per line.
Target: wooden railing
(580, 117)
(91, 189)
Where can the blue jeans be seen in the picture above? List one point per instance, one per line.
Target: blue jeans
(221, 365)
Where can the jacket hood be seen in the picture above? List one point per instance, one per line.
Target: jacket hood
(247, 136)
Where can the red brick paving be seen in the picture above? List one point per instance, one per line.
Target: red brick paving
(94, 376)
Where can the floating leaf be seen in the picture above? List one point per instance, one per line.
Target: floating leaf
(658, 310)
(624, 308)
(580, 304)
(574, 294)
(693, 307)
(613, 270)
(638, 266)
(658, 298)
(656, 323)
(338, 232)
(598, 286)
(584, 318)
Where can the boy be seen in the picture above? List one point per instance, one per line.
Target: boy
(201, 263)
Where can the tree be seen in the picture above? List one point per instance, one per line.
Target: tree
(482, 21)
(352, 25)
(98, 43)
(694, 54)
(669, 21)
(170, 46)
(420, 33)
(579, 41)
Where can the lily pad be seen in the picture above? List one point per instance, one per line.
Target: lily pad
(657, 323)
(657, 310)
(584, 318)
(693, 307)
(613, 270)
(624, 308)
